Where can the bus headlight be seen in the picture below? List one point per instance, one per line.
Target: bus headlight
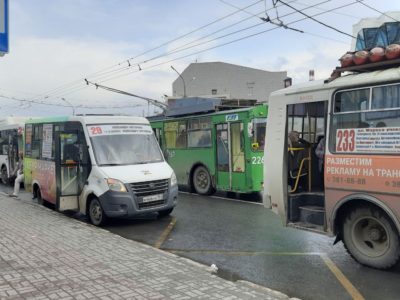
(174, 181)
(116, 185)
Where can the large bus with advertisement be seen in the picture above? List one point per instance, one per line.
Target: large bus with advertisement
(216, 151)
(101, 166)
(352, 191)
(11, 143)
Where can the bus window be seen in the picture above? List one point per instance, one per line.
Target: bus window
(222, 148)
(199, 133)
(175, 134)
(237, 147)
(36, 140)
(355, 100)
(259, 125)
(386, 97)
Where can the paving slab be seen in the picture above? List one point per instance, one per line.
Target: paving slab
(47, 255)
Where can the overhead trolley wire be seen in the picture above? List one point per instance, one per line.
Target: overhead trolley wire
(227, 43)
(152, 49)
(315, 20)
(374, 9)
(107, 78)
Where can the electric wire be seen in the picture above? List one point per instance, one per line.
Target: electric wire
(75, 89)
(315, 20)
(179, 49)
(374, 9)
(159, 46)
(229, 42)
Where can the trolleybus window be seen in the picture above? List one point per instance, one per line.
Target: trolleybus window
(199, 133)
(175, 134)
(259, 125)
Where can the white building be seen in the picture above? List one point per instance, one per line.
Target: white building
(223, 80)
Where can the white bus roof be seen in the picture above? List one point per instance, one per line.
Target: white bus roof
(87, 120)
(12, 122)
(388, 75)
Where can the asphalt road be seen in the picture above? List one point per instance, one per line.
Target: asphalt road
(247, 241)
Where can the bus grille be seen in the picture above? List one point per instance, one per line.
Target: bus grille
(149, 188)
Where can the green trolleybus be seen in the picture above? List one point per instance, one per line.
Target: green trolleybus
(216, 151)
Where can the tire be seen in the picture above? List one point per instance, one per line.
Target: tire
(96, 213)
(371, 238)
(165, 212)
(202, 181)
(4, 176)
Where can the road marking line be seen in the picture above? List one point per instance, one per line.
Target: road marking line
(163, 237)
(349, 287)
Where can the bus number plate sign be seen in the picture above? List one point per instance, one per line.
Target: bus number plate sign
(232, 117)
(152, 198)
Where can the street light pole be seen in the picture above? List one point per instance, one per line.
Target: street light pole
(69, 103)
(183, 80)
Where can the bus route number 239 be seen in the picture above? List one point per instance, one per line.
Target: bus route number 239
(345, 140)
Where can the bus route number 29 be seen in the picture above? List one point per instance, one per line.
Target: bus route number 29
(257, 160)
(345, 140)
(95, 130)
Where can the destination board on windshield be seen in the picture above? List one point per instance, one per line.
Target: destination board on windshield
(118, 129)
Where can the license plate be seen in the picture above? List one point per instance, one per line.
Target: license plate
(153, 198)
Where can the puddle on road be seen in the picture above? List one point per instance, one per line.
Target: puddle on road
(228, 275)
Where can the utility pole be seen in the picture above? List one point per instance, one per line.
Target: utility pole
(70, 104)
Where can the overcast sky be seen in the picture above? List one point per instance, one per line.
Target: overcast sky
(55, 44)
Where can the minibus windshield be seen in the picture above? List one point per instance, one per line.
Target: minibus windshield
(125, 149)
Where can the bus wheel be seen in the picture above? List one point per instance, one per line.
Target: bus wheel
(371, 238)
(4, 176)
(202, 181)
(165, 212)
(96, 213)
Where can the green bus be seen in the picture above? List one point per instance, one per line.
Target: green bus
(216, 151)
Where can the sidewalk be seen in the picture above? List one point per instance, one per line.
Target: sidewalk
(46, 255)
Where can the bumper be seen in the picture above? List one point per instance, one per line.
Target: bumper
(117, 204)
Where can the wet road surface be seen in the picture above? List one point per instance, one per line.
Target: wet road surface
(247, 241)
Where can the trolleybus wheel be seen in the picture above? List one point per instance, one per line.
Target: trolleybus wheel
(371, 238)
(96, 213)
(165, 212)
(4, 176)
(202, 181)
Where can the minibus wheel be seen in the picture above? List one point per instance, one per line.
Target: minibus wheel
(96, 213)
(371, 238)
(202, 181)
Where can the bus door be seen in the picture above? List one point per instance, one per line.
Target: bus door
(230, 156)
(306, 123)
(71, 169)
